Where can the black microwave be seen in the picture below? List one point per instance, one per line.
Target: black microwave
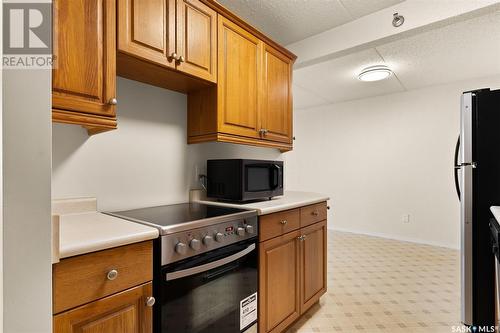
(244, 180)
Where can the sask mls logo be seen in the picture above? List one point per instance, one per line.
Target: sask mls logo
(27, 35)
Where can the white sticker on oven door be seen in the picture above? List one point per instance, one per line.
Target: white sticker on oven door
(248, 310)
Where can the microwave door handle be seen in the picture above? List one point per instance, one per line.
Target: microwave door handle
(275, 176)
(210, 265)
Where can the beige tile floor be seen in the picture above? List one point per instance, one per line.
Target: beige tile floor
(382, 285)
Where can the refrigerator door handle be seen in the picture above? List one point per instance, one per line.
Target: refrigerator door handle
(457, 167)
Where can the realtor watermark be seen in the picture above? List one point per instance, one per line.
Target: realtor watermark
(27, 35)
(474, 329)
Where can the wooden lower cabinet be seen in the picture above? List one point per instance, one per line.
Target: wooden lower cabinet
(108, 291)
(279, 282)
(313, 264)
(292, 271)
(125, 312)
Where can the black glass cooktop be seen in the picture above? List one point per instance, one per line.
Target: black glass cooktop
(163, 216)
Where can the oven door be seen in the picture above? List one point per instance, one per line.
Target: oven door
(213, 292)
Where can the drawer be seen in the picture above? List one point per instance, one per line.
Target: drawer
(277, 224)
(312, 214)
(85, 278)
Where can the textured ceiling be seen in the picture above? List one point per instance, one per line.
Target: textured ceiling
(461, 51)
(288, 21)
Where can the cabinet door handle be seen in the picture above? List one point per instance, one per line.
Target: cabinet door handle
(173, 56)
(150, 301)
(283, 222)
(315, 213)
(181, 59)
(112, 274)
(113, 101)
(302, 238)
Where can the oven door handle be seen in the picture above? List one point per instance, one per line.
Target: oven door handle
(210, 265)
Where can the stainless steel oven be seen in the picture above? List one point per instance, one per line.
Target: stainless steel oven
(205, 267)
(214, 292)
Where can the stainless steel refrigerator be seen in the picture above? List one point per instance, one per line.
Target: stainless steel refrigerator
(477, 180)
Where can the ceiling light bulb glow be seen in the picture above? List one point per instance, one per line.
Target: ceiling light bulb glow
(374, 73)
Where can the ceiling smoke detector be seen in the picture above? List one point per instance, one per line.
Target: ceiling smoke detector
(374, 73)
(397, 20)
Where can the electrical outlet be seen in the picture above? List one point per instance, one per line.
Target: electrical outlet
(406, 218)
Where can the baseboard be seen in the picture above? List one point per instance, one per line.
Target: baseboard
(396, 237)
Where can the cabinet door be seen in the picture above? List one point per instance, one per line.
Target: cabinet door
(125, 312)
(197, 39)
(313, 264)
(85, 49)
(239, 72)
(146, 29)
(279, 282)
(276, 112)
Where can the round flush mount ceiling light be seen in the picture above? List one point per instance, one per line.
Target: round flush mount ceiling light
(374, 73)
(397, 20)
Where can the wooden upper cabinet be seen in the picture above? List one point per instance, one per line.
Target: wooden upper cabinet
(313, 264)
(276, 112)
(279, 282)
(146, 29)
(239, 66)
(196, 40)
(125, 312)
(84, 78)
(177, 34)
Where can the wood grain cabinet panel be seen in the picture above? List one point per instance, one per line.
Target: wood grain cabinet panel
(279, 282)
(124, 312)
(312, 214)
(277, 224)
(146, 29)
(197, 39)
(313, 264)
(239, 66)
(283, 255)
(82, 279)
(276, 113)
(84, 77)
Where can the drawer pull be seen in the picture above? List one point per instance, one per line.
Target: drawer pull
(112, 274)
(302, 238)
(315, 213)
(283, 222)
(150, 301)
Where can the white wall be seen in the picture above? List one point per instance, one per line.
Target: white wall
(380, 158)
(27, 269)
(146, 161)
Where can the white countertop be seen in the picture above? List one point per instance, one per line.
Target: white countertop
(496, 212)
(87, 230)
(290, 199)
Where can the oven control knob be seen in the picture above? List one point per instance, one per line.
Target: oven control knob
(219, 237)
(240, 231)
(208, 240)
(249, 229)
(195, 244)
(181, 248)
